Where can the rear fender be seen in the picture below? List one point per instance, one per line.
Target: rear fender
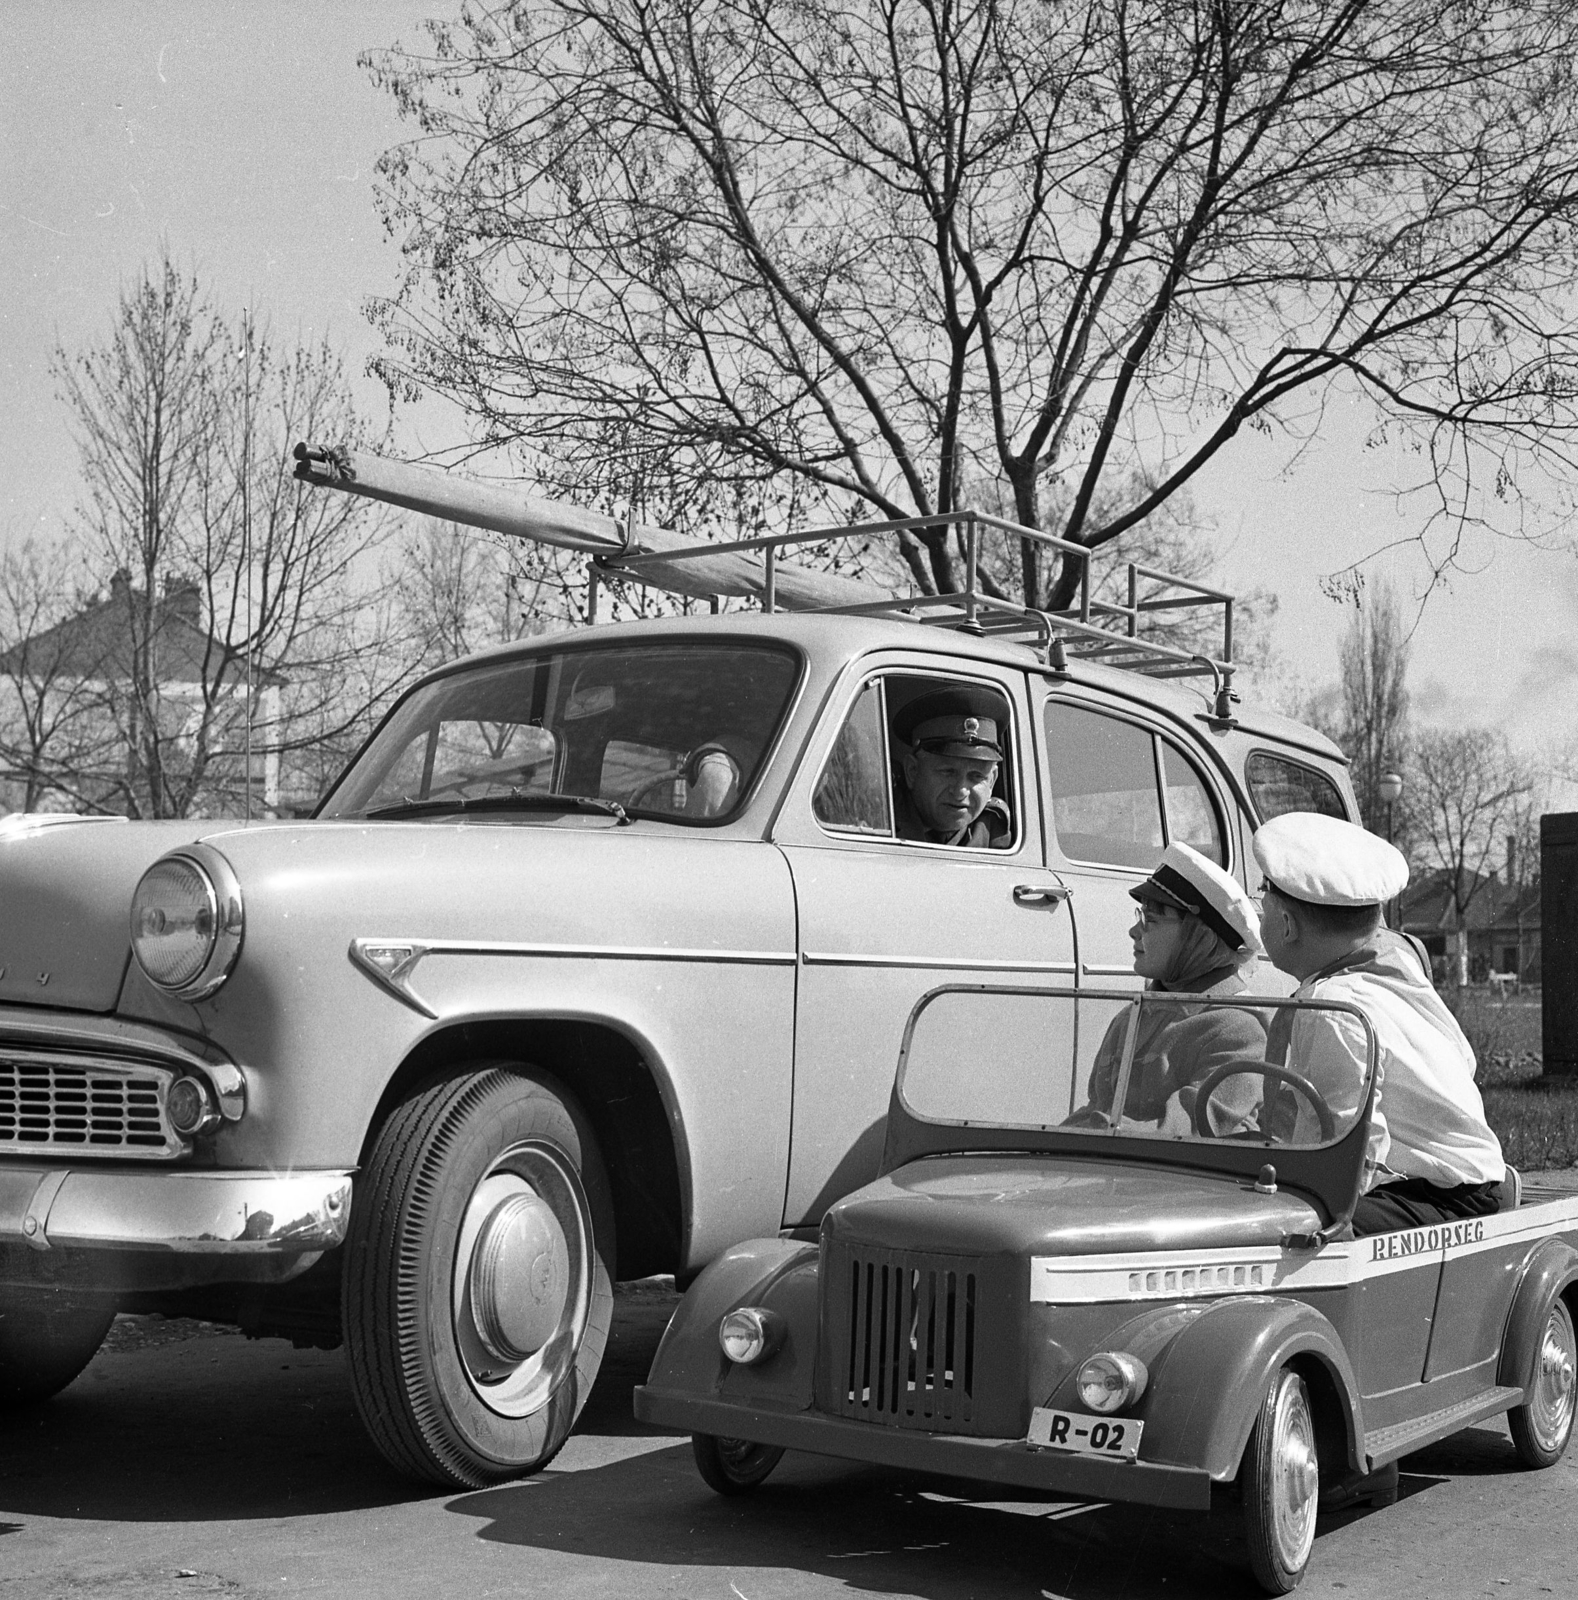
(1208, 1383)
(1551, 1269)
(778, 1274)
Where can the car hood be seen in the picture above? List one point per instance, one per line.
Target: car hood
(309, 887)
(65, 903)
(1049, 1206)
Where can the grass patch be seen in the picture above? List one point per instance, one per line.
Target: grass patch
(1536, 1118)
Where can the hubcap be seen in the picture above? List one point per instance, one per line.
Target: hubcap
(1295, 1475)
(523, 1278)
(1550, 1409)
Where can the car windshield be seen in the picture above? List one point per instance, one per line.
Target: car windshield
(675, 730)
(1111, 1065)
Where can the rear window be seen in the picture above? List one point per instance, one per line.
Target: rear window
(1277, 785)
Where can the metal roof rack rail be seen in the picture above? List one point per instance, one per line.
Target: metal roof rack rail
(1099, 631)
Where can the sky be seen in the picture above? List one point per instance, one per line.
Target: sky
(241, 137)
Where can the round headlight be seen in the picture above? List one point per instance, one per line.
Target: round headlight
(1112, 1380)
(186, 922)
(750, 1334)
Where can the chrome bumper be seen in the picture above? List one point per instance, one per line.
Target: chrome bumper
(196, 1213)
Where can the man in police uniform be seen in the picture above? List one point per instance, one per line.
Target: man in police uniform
(1432, 1156)
(949, 770)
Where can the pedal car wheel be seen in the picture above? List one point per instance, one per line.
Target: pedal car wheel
(1281, 1485)
(733, 1466)
(1543, 1424)
(477, 1290)
(46, 1339)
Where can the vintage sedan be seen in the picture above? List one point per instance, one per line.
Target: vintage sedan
(1044, 1292)
(592, 963)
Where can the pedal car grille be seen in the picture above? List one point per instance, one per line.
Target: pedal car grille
(905, 1342)
(84, 1106)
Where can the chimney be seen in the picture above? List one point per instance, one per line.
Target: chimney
(183, 600)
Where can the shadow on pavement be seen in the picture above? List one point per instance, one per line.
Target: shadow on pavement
(874, 1530)
(185, 1422)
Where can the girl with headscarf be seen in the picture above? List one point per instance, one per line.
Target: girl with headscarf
(1196, 933)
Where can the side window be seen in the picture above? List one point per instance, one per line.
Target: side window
(1105, 803)
(1191, 818)
(852, 792)
(1121, 794)
(1277, 785)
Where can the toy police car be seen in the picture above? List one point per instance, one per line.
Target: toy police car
(1112, 1307)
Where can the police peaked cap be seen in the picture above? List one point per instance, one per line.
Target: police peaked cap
(1325, 861)
(1189, 881)
(959, 721)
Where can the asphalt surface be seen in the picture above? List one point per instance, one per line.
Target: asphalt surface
(188, 1461)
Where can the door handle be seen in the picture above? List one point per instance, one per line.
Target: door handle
(1041, 894)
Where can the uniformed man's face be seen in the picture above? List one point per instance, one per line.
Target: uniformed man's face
(948, 792)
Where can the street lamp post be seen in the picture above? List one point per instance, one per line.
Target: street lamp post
(1390, 790)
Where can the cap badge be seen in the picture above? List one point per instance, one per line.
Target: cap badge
(972, 726)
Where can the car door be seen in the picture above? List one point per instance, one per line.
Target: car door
(884, 920)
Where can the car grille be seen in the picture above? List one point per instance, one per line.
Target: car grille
(905, 1341)
(74, 1105)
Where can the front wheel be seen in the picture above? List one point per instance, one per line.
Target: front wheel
(1281, 1485)
(477, 1291)
(733, 1466)
(46, 1339)
(1542, 1426)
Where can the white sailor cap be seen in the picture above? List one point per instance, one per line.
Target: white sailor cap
(1192, 882)
(1328, 862)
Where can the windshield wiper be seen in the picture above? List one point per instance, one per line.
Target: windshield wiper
(502, 802)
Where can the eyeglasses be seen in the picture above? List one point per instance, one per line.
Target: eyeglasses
(1152, 915)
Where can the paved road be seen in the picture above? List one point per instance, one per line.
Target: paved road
(188, 1462)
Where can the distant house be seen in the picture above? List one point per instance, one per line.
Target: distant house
(95, 649)
(1503, 925)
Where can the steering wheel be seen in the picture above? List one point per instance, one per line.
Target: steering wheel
(639, 793)
(1209, 1084)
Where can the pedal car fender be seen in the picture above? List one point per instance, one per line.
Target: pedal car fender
(1207, 1385)
(1550, 1269)
(778, 1275)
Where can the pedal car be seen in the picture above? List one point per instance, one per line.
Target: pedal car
(1044, 1291)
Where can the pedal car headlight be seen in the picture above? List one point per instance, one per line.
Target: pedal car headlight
(750, 1334)
(186, 922)
(1112, 1380)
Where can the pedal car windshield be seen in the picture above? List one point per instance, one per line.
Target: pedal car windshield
(1206, 1080)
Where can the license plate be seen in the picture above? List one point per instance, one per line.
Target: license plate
(1118, 1437)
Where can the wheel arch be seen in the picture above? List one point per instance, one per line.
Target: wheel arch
(1551, 1270)
(1216, 1375)
(620, 1086)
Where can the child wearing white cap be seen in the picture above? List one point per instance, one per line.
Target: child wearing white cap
(1432, 1156)
(1195, 933)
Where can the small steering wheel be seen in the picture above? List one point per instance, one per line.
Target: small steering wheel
(1209, 1084)
(638, 795)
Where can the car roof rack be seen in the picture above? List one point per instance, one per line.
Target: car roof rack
(1103, 632)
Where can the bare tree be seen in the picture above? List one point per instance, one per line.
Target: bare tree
(54, 745)
(1467, 792)
(891, 248)
(251, 611)
(1367, 714)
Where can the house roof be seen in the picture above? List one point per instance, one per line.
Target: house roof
(98, 641)
(1427, 904)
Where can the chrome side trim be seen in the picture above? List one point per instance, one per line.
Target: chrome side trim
(391, 963)
(195, 1213)
(822, 958)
